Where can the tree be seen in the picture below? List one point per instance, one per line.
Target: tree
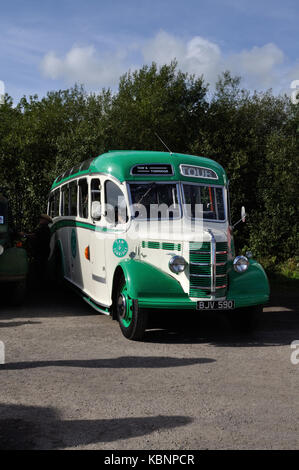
(163, 101)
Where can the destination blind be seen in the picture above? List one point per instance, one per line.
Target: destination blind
(152, 169)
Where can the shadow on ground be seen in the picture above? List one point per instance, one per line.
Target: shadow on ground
(30, 427)
(125, 362)
(52, 301)
(278, 324)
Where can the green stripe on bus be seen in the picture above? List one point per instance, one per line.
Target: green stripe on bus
(73, 223)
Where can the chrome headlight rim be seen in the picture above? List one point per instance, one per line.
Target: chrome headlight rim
(177, 264)
(241, 264)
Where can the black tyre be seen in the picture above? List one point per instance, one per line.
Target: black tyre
(17, 293)
(132, 320)
(245, 320)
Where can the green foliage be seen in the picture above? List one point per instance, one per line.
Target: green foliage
(150, 101)
(253, 136)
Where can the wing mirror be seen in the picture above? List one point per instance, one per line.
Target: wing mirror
(243, 214)
(243, 217)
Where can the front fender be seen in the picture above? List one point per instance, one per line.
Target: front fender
(151, 286)
(249, 288)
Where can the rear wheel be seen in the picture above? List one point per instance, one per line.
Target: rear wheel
(132, 320)
(17, 293)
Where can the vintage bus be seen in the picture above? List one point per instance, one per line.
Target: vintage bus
(135, 231)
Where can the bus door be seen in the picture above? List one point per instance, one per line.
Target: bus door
(98, 285)
(72, 236)
(81, 261)
(62, 235)
(116, 216)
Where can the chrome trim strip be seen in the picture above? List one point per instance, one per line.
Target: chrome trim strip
(208, 275)
(200, 264)
(200, 275)
(207, 264)
(98, 278)
(204, 287)
(198, 252)
(200, 287)
(213, 262)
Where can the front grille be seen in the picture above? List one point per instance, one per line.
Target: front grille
(164, 245)
(201, 269)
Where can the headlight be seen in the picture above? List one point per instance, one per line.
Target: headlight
(241, 264)
(177, 264)
(1, 249)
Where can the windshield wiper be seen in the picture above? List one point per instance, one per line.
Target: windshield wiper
(151, 186)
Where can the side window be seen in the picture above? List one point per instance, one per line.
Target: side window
(64, 200)
(54, 204)
(95, 192)
(73, 198)
(51, 205)
(116, 208)
(83, 198)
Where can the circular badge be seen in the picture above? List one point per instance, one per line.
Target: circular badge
(73, 243)
(120, 247)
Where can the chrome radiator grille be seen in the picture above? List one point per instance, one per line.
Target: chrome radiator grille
(201, 270)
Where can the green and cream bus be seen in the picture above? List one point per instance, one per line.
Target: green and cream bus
(140, 230)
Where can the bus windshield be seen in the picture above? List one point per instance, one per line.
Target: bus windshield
(204, 202)
(155, 200)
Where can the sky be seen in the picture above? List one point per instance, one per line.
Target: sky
(53, 44)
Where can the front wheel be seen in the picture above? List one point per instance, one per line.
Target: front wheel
(132, 320)
(245, 320)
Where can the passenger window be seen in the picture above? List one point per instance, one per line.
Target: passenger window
(50, 205)
(73, 198)
(64, 200)
(95, 188)
(83, 198)
(116, 208)
(54, 204)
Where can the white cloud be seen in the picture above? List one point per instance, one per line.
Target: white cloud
(84, 65)
(163, 48)
(261, 67)
(198, 55)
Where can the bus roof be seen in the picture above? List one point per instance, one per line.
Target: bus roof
(146, 164)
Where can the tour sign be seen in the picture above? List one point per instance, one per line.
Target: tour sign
(152, 169)
(198, 172)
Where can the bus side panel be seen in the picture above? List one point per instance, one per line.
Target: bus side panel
(249, 288)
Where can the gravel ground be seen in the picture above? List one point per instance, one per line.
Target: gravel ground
(72, 381)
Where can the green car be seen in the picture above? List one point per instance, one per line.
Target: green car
(13, 258)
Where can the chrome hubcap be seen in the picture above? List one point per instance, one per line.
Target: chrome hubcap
(122, 306)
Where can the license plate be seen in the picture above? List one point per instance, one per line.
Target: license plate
(215, 305)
